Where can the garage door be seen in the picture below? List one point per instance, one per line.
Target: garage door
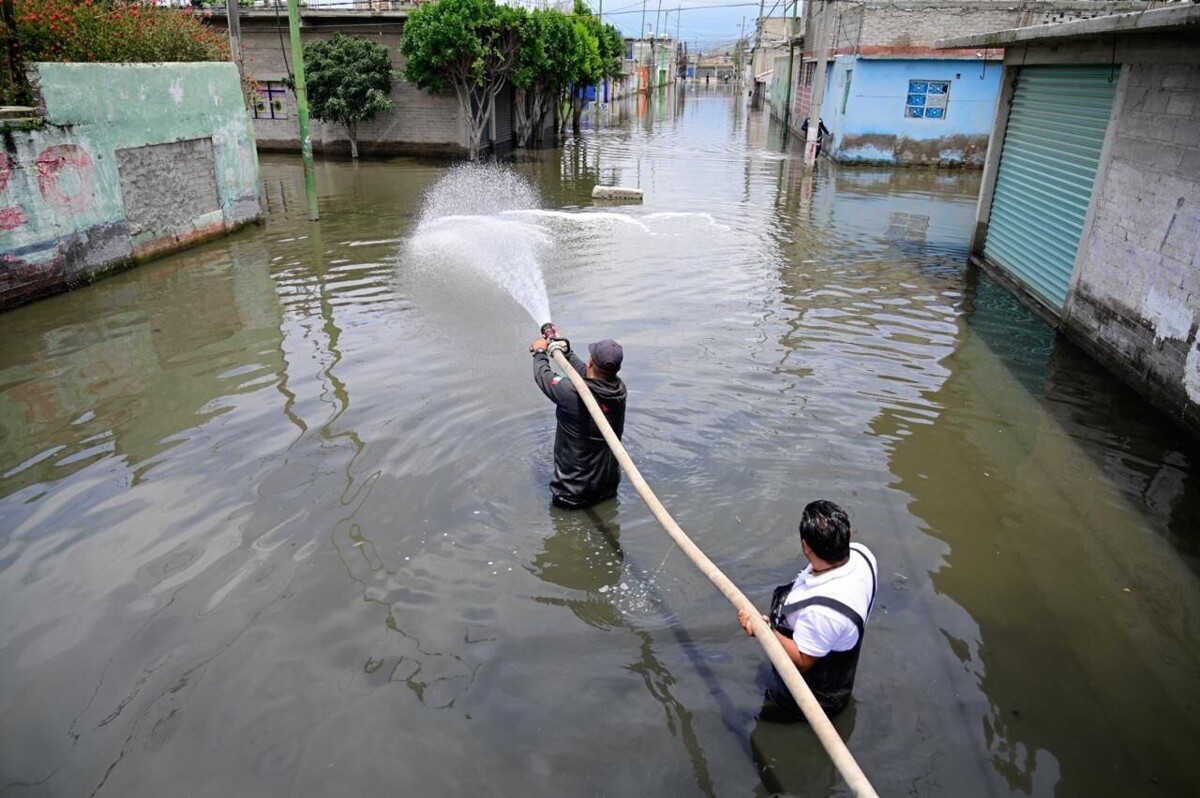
(1056, 128)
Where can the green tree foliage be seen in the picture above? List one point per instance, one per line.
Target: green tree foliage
(475, 47)
(469, 47)
(546, 66)
(348, 80)
(599, 49)
(741, 50)
(100, 30)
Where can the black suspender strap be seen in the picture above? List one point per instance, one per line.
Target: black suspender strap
(874, 578)
(833, 604)
(839, 607)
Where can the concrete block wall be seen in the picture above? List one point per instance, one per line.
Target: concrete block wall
(881, 27)
(420, 123)
(1135, 299)
(68, 187)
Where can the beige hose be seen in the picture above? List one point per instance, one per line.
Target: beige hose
(843, 760)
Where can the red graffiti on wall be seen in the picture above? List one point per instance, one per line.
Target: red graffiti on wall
(11, 217)
(65, 177)
(50, 166)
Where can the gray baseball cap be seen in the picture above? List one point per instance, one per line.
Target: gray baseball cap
(607, 355)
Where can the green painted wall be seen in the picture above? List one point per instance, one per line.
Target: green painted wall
(62, 213)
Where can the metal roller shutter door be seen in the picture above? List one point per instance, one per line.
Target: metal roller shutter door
(1056, 129)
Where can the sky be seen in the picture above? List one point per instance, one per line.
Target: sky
(713, 24)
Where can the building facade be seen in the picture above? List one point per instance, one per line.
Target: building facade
(1090, 203)
(891, 97)
(419, 124)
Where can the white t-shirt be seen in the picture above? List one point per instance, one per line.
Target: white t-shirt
(818, 630)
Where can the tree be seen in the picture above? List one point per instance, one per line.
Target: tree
(740, 49)
(469, 47)
(546, 66)
(348, 80)
(599, 48)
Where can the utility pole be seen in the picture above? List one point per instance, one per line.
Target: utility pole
(787, 109)
(641, 39)
(740, 49)
(818, 90)
(310, 175)
(234, 23)
(654, 43)
(758, 30)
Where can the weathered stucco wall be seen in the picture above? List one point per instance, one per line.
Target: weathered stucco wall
(865, 103)
(1135, 301)
(95, 189)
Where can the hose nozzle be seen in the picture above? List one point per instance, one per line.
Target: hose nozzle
(549, 331)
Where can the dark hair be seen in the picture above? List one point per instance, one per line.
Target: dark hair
(825, 527)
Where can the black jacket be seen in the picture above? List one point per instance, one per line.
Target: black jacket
(585, 469)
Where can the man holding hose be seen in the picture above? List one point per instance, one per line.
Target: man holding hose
(585, 470)
(820, 618)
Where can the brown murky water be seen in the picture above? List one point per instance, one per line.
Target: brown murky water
(274, 516)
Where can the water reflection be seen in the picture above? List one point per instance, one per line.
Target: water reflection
(274, 511)
(1052, 579)
(585, 556)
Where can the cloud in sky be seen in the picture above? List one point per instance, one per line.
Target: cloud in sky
(708, 23)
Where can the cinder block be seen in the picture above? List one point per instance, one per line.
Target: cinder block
(1157, 99)
(1180, 76)
(1181, 103)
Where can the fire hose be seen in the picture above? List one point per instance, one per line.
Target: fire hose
(842, 759)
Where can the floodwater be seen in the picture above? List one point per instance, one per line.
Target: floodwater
(274, 516)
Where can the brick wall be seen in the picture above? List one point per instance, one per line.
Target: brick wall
(1136, 298)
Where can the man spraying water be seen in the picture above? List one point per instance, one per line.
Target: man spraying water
(585, 470)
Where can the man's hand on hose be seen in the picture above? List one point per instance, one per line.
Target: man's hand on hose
(539, 345)
(558, 345)
(744, 620)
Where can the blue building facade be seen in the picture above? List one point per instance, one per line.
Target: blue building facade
(914, 111)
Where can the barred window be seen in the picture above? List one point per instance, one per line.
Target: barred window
(927, 99)
(269, 104)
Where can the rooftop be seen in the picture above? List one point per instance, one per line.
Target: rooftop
(1175, 19)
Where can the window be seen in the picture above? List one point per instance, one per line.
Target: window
(846, 90)
(808, 73)
(927, 99)
(270, 101)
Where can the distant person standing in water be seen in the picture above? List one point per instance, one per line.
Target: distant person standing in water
(585, 470)
(821, 616)
(822, 132)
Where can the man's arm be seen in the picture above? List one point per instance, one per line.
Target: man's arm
(576, 363)
(556, 388)
(801, 660)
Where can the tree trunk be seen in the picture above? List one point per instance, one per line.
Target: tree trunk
(576, 110)
(352, 129)
(540, 106)
(525, 116)
(466, 107)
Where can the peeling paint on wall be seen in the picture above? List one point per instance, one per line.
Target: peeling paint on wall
(1191, 372)
(63, 208)
(1168, 314)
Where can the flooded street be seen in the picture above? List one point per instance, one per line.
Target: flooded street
(274, 514)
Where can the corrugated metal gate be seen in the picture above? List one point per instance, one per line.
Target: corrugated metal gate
(1056, 129)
